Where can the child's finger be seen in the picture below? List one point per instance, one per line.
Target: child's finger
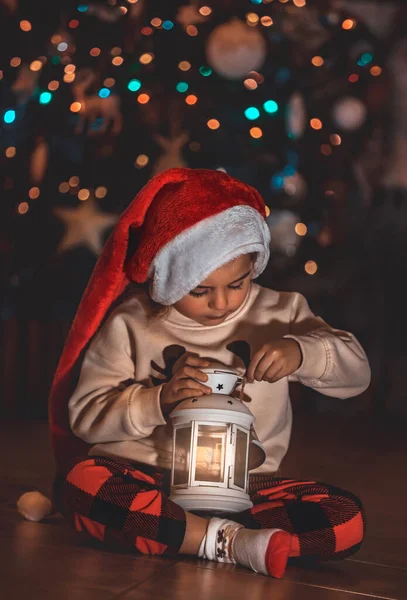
(263, 365)
(253, 365)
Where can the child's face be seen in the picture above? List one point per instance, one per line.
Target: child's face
(222, 293)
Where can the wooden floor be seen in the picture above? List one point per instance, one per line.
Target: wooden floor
(48, 561)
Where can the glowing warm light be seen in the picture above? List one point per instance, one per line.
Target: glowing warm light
(213, 124)
(70, 68)
(123, 10)
(1, 74)
(117, 61)
(34, 192)
(335, 139)
(266, 21)
(15, 62)
(62, 46)
(252, 18)
(23, 208)
(299, 3)
(73, 23)
(25, 25)
(375, 71)
(94, 51)
(256, 132)
(156, 22)
(143, 98)
(100, 191)
(146, 58)
(56, 38)
(354, 78)
(83, 194)
(109, 82)
(53, 85)
(73, 181)
(256, 76)
(326, 149)
(184, 65)
(267, 211)
(10, 151)
(141, 161)
(348, 24)
(317, 61)
(191, 99)
(310, 267)
(205, 11)
(146, 31)
(250, 84)
(116, 51)
(301, 229)
(191, 30)
(316, 123)
(63, 187)
(36, 65)
(69, 77)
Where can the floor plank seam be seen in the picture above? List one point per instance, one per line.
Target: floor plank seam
(138, 584)
(343, 590)
(375, 564)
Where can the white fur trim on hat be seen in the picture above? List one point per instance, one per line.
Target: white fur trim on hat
(188, 259)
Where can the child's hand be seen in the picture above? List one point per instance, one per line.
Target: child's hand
(182, 386)
(274, 361)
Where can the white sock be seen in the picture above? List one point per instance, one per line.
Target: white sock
(229, 542)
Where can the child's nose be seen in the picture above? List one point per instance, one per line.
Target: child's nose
(219, 301)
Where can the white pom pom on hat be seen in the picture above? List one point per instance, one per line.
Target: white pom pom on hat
(34, 506)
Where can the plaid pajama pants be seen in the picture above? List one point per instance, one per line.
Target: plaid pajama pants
(126, 506)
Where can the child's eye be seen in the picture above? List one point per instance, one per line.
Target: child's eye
(231, 287)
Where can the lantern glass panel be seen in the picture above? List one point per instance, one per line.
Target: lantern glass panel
(210, 453)
(240, 459)
(182, 455)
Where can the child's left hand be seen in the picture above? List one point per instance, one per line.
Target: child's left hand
(274, 361)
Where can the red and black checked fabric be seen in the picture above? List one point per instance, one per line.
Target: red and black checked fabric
(127, 506)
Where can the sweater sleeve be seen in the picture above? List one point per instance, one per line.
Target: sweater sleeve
(333, 361)
(104, 406)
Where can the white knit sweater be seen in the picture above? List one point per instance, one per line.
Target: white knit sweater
(116, 404)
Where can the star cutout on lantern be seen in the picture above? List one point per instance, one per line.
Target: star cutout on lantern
(85, 226)
(220, 386)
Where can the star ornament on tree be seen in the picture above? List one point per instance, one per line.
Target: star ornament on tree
(85, 226)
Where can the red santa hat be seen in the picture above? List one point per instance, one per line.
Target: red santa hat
(182, 225)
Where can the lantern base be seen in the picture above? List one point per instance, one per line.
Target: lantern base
(211, 500)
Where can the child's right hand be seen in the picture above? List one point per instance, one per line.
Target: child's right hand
(182, 386)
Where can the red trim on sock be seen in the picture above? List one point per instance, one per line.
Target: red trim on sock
(277, 553)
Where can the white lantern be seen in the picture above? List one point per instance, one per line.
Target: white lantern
(211, 439)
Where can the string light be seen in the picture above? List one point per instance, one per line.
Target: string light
(23, 208)
(326, 149)
(63, 187)
(252, 18)
(34, 193)
(213, 124)
(69, 77)
(310, 267)
(184, 65)
(168, 25)
(354, 77)
(109, 82)
(36, 65)
(73, 181)
(75, 107)
(146, 58)
(316, 123)
(182, 86)
(270, 106)
(348, 24)
(45, 98)
(301, 229)
(134, 85)
(252, 113)
(117, 61)
(268, 211)
(115, 51)
(146, 31)
(317, 61)
(15, 61)
(156, 22)
(70, 68)
(73, 23)
(9, 116)
(83, 194)
(335, 139)
(375, 71)
(10, 152)
(299, 3)
(143, 98)
(250, 84)
(141, 161)
(191, 99)
(205, 71)
(25, 25)
(256, 132)
(191, 30)
(266, 21)
(205, 11)
(94, 51)
(100, 192)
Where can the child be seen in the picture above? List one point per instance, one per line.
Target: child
(196, 239)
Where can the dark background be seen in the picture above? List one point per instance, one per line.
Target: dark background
(326, 84)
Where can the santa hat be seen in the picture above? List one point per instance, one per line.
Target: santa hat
(181, 226)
